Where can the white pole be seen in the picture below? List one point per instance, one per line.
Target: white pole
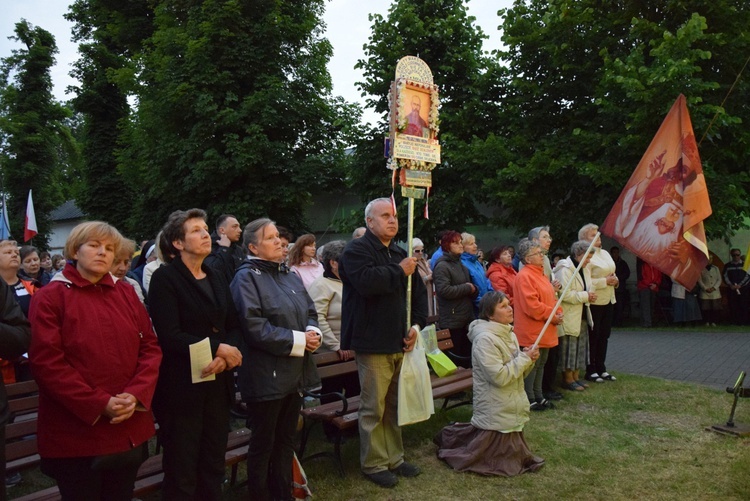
(564, 290)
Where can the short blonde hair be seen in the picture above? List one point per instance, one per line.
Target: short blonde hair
(8, 243)
(467, 238)
(91, 230)
(585, 230)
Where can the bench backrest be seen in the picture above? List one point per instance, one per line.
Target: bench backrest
(329, 365)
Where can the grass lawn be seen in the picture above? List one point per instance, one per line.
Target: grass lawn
(638, 438)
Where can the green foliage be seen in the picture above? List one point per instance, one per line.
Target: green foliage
(442, 34)
(110, 33)
(235, 112)
(35, 140)
(588, 86)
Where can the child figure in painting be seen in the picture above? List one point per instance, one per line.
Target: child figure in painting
(493, 443)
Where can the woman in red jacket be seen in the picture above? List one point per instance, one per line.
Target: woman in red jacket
(96, 359)
(534, 300)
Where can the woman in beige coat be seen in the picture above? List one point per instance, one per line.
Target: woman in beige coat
(493, 443)
(576, 314)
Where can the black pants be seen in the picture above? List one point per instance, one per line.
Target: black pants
(599, 338)
(549, 378)
(739, 304)
(273, 425)
(461, 346)
(195, 440)
(78, 482)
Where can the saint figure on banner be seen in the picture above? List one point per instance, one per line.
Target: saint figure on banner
(416, 125)
(651, 219)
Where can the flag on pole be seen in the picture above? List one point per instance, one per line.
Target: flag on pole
(4, 223)
(659, 215)
(30, 229)
(746, 266)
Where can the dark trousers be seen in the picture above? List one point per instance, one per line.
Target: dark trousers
(549, 378)
(739, 304)
(195, 440)
(461, 346)
(599, 337)
(273, 425)
(78, 482)
(622, 311)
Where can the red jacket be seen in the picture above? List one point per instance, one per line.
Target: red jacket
(502, 278)
(90, 342)
(649, 276)
(533, 304)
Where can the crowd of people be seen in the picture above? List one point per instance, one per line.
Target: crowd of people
(121, 339)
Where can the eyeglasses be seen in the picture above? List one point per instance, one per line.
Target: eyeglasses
(735, 255)
(419, 250)
(540, 253)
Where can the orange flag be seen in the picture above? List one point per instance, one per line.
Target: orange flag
(659, 215)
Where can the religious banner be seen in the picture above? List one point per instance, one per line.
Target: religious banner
(659, 215)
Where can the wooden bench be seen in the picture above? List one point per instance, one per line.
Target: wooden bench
(21, 445)
(342, 414)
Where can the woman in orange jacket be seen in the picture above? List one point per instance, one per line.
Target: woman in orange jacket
(534, 300)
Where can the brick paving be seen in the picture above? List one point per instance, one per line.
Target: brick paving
(711, 358)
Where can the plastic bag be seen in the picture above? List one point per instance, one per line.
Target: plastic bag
(439, 361)
(414, 389)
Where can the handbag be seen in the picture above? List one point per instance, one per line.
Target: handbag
(439, 361)
(415, 402)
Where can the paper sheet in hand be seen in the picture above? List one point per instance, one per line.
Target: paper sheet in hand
(200, 357)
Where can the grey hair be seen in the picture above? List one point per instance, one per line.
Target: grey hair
(332, 250)
(489, 302)
(368, 208)
(416, 242)
(467, 237)
(526, 245)
(357, 230)
(579, 248)
(534, 232)
(250, 233)
(585, 229)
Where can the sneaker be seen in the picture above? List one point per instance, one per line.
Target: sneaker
(407, 470)
(383, 478)
(546, 404)
(536, 406)
(595, 377)
(608, 377)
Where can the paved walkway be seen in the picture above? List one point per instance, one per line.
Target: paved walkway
(710, 358)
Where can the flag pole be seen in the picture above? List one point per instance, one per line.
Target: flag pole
(564, 290)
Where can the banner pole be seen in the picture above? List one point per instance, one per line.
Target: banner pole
(410, 251)
(564, 290)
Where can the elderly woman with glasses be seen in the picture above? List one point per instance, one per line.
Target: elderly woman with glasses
(423, 267)
(534, 303)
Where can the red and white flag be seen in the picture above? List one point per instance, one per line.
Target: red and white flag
(659, 215)
(29, 228)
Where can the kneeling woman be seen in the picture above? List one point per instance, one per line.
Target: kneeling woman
(493, 443)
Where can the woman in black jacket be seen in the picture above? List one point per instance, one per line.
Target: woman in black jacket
(455, 293)
(189, 303)
(280, 328)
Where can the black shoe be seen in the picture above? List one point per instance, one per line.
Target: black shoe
(383, 478)
(407, 470)
(536, 406)
(553, 395)
(546, 403)
(13, 479)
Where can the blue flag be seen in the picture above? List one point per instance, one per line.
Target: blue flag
(4, 224)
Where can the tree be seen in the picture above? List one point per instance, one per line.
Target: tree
(235, 112)
(442, 34)
(587, 87)
(34, 130)
(110, 34)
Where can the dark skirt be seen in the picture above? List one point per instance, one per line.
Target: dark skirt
(466, 448)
